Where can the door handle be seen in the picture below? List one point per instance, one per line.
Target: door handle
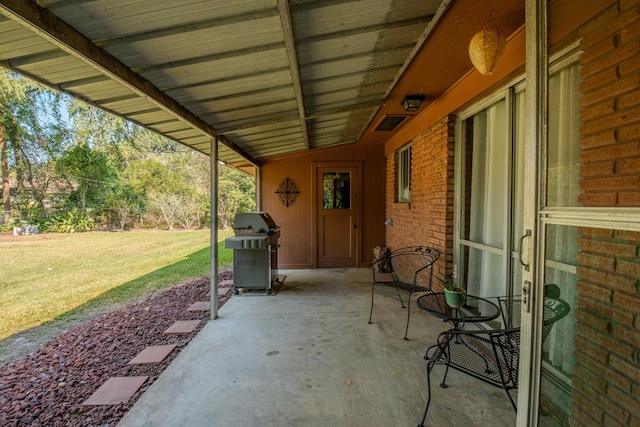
(354, 226)
(523, 263)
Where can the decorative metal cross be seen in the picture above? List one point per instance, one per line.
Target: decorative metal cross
(287, 192)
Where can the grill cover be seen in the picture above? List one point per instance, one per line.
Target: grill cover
(253, 223)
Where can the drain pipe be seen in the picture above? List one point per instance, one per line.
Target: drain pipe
(213, 215)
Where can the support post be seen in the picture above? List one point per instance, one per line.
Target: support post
(213, 247)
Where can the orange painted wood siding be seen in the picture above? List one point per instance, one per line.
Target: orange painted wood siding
(297, 241)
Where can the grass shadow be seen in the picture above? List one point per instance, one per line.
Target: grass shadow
(194, 266)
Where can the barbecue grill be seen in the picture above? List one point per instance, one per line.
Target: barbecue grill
(255, 251)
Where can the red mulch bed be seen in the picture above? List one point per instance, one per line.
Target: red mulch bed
(48, 386)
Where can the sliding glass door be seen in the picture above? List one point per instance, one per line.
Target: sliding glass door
(559, 243)
(486, 196)
(490, 212)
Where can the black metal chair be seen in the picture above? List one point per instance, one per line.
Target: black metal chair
(554, 309)
(407, 271)
(491, 356)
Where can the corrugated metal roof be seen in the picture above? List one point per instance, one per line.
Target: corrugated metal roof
(268, 77)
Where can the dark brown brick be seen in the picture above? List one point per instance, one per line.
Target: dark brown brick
(621, 249)
(618, 23)
(628, 165)
(629, 66)
(606, 311)
(609, 92)
(611, 152)
(626, 182)
(598, 293)
(607, 280)
(603, 402)
(608, 59)
(595, 261)
(611, 422)
(595, 233)
(627, 4)
(629, 100)
(597, 353)
(592, 320)
(629, 199)
(590, 414)
(627, 235)
(629, 133)
(599, 140)
(598, 365)
(597, 169)
(598, 111)
(628, 302)
(431, 193)
(629, 25)
(601, 20)
(596, 81)
(624, 367)
(611, 122)
(628, 268)
(598, 199)
(583, 414)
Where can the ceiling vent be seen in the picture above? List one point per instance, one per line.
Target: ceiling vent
(390, 123)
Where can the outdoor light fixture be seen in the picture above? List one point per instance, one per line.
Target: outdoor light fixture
(412, 102)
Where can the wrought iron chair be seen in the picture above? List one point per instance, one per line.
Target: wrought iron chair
(554, 309)
(401, 273)
(491, 356)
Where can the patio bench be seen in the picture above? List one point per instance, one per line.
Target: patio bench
(491, 356)
(401, 273)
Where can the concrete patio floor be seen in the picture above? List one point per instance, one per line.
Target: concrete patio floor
(307, 357)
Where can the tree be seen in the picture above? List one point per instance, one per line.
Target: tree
(120, 205)
(89, 170)
(109, 169)
(30, 134)
(104, 132)
(236, 193)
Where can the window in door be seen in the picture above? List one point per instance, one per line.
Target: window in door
(336, 190)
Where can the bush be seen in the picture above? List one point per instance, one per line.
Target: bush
(74, 221)
(9, 225)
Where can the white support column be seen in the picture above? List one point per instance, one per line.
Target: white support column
(213, 248)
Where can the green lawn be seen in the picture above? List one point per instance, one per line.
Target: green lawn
(49, 276)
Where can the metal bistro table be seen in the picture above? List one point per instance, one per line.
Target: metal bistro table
(475, 309)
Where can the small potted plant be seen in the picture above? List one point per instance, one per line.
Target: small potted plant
(453, 295)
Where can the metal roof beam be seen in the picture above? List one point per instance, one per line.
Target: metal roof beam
(287, 29)
(44, 23)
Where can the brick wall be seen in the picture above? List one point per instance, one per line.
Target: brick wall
(428, 219)
(607, 371)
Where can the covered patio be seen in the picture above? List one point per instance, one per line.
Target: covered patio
(519, 178)
(307, 356)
